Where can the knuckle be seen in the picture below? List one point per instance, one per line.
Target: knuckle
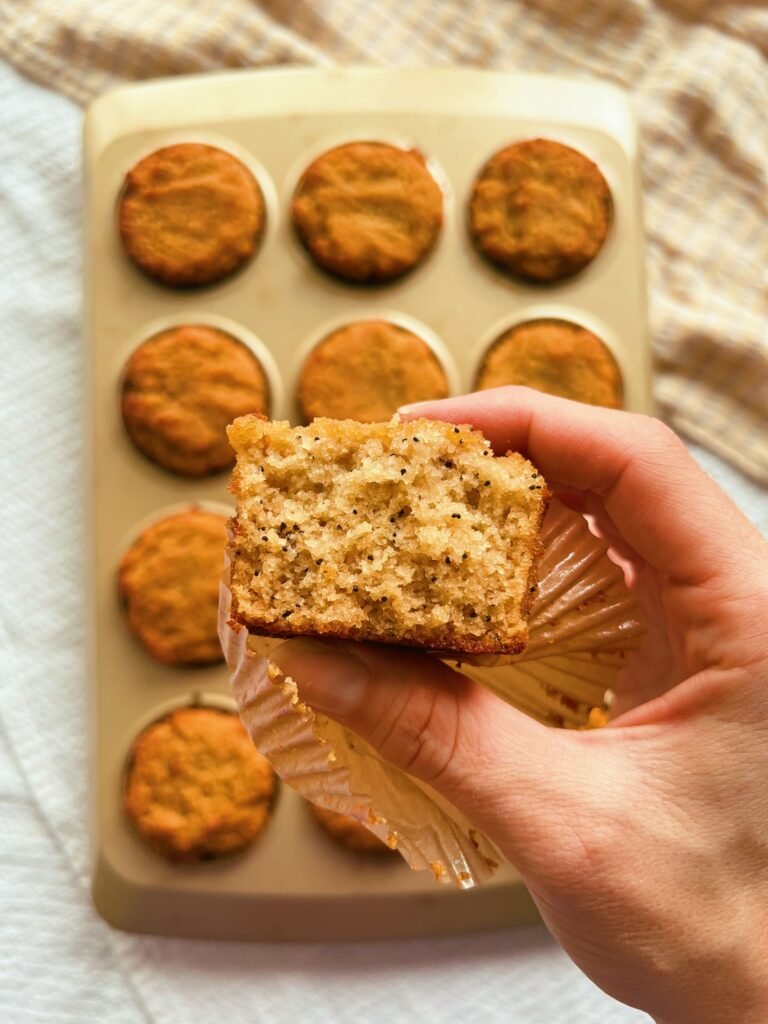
(662, 435)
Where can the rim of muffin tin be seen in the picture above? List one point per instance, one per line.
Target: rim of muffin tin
(547, 311)
(251, 162)
(235, 330)
(334, 323)
(201, 698)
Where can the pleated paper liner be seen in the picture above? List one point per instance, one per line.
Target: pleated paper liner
(584, 624)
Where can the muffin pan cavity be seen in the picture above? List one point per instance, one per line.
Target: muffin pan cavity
(180, 389)
(195, 789)
(540, 210)
(167, 583)
(289, 231)
(559, 357)
(365, 370)
(190, 214)
(368, 212)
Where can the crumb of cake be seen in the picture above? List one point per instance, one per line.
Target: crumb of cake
(402, 533)
(597, 718)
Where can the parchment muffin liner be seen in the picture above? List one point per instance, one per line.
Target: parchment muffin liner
(584, 624)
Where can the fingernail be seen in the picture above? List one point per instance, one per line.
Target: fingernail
(329, 677)
(406, 410)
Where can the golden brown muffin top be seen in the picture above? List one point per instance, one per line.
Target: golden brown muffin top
(169, 584)
(368, 211)
(196, 788)
(182, 388)
(540, 210)
(190, 214)
(366, 370)
(555, 356)
(348, 831)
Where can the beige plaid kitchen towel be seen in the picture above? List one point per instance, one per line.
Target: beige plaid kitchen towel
(696, 68)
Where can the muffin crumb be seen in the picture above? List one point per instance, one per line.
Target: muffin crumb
(435, 597)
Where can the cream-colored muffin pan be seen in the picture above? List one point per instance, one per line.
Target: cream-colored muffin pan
(294, 884)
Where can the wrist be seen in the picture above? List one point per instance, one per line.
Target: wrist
(746, 1007)
(724, 1016)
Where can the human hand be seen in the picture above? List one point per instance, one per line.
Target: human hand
(644, 844)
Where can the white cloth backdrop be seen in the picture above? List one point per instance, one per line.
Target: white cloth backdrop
(58, 962)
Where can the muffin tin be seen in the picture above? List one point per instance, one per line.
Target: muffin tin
(293, 884)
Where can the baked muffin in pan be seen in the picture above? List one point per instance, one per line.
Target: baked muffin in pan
(196, 788)
(540, 210)
(366, 370)
(190, 214)
(368, 211)
(558, 357)
(181, 388)
(348, 832)
(168, 582)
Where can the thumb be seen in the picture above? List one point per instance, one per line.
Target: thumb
(507, 773)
